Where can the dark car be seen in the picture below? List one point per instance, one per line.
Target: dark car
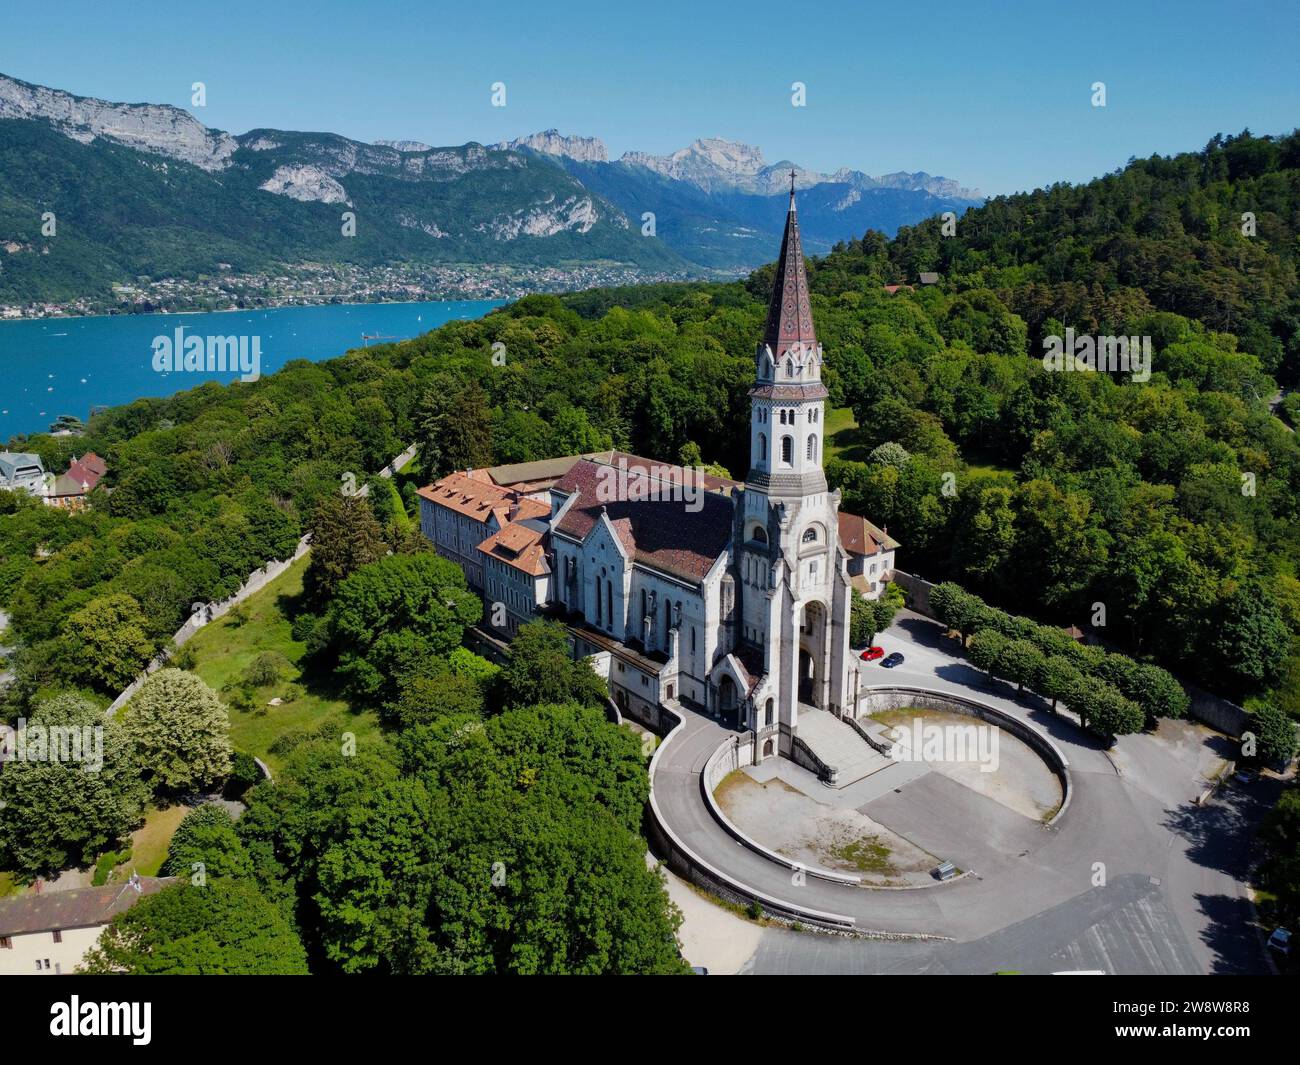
(893, 660)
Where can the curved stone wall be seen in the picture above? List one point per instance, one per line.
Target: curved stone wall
(686, 863)
(874, 700)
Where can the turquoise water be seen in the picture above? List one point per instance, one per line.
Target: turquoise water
(53, 366)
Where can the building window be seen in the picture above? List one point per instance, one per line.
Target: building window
(810, 535)
(812, 448)
(58, 937)
(6, 943)
(767, 714)
(762, 447)
(787, 450)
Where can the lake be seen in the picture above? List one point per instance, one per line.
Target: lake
(53, 366)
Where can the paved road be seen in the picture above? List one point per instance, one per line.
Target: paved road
(1172, 900)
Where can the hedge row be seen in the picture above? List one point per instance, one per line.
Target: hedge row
(1112, 693)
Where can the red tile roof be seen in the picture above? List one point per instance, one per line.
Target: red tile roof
(860, 537)
(518, 546)
(659, 533)
(83, 474)
(481, 500)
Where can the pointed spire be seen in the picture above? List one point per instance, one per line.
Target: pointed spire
(789, 310)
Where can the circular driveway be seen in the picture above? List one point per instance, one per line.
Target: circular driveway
(1134, 878)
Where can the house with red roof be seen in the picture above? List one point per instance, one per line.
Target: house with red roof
(70, 489)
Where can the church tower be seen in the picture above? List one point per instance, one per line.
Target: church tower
(793, 583)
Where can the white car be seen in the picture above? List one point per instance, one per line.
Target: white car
(1280, 941)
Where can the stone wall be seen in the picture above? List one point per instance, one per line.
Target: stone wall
(802, 755)
(209, 612)
(1215, 711)
(916, 590)
(692, 867)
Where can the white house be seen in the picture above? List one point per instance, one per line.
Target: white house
(20, 471)
(49, 933)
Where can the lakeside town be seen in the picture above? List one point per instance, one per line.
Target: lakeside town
(315, 284)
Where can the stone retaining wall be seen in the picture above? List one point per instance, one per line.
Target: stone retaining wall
(730, 756)
(690, 866)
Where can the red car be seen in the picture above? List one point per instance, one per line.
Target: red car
(872, 653)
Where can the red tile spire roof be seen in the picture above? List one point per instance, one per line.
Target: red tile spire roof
(789, 311)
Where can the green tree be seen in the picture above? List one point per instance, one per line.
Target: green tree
(541, 669)
(181, 730)
(956, 608)
(59, 813)
(223, 929)
(107, 642)
(206, 837)
(986, 649)
(1106, 712)
(1275, 740)
(387, 616)
(862, 622)
(1058, 679)
(510, 846)
(1020, 661)
(1060, 544)
(453, 428)
(1251, 639)
(442, 693)
(985, 532)
(344, 537)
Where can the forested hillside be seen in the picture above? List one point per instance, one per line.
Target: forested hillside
(1071, 489)
(1165, 508)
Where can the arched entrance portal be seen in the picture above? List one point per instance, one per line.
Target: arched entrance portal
(727, 700)
(812, 644)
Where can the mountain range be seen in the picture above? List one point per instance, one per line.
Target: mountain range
(148, 191)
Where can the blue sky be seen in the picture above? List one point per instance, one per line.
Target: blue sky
(997, 95)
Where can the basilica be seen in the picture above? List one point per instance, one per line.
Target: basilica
(689, 591)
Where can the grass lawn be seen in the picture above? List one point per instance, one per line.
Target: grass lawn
(842, 437)
(149, 842)
(866, 855)
(224, 649)
(7, 884)
(843, 440)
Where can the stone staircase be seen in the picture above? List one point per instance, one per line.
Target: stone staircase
(839, 746)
